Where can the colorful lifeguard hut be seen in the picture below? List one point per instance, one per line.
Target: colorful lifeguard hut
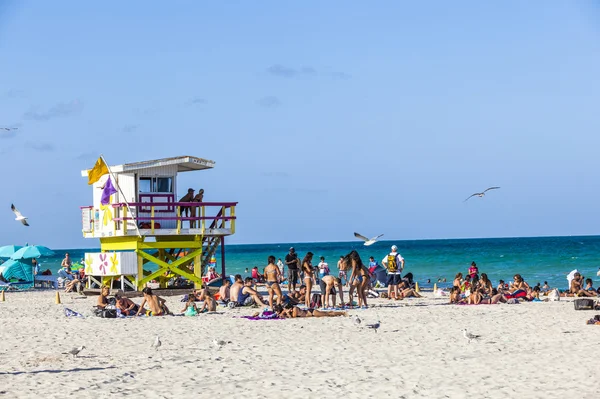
(141, 222)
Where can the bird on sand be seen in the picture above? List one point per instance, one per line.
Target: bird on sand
(19, 216)
(219, 343)
(368, 241)
(470, 336)
(374, 326)
(356, 320)
(481, 194)
(75, 351)
(156, 344)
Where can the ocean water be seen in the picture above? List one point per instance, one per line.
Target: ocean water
(537, 259)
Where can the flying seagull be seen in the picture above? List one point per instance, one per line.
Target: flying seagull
(374, 326)
(156, 344)
(481, 194)
(470, 336)
(75, 351)
(368, 241)
(8, 129)
(19, 217)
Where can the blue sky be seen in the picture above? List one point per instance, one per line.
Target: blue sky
(324, 118)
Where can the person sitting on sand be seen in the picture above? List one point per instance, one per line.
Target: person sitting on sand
(466, 284)
(273, 277)
(300, 295)
(245, 295)
(236, 287)
(103, 297)
(406, 287)
(126, 305)
(577, 289)
(545, 287)
(209, 305)
(259, 278)
(589, 287)
(458, 280)
(518, 286)
(157, 306)
(485, 286)
(328, 285)
(501, 286)
(533, 294)
(224, 291)
(190, 306)
(294, 312)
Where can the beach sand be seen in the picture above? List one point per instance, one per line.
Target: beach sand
(526, 350)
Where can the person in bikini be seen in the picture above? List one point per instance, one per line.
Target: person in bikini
(309, 276)
(294, 312)
(458, 280)
(103, 298)
(359, 276)
(272, 277)
(157, 306)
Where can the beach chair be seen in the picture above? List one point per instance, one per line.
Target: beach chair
(46, 281)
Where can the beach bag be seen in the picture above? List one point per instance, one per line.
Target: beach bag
(554, 295)
(315, 301)
(584, 304)
(109, 314)
(392, 264)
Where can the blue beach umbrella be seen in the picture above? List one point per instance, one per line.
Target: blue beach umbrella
(8, 250)
(32, 251)
(17, 269)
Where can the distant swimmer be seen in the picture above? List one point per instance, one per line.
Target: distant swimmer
(368, 241)
(481, 194)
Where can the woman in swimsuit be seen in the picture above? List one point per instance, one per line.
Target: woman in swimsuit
(360, 275)
(272, 276)
(457, 280)
(294, 312)
(309, 276)
(519, 285)
(485, 286)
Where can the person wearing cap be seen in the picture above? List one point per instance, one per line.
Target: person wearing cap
(394, 263)
(291, 260)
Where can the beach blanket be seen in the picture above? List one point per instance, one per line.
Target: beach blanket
(72, 313)
(266, 315)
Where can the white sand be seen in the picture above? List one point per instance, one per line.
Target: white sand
(528, 350)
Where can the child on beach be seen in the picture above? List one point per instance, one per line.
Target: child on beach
(190, 306)
(458, 280)
(473, 271)
(209, 305)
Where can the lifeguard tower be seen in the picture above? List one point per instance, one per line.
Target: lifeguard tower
(142, 223)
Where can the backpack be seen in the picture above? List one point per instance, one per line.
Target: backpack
(392, 263)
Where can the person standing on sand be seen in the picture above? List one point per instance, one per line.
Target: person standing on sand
(342, 270)
(309, 276)
(394, 263)
(291, 260)
(272, 278)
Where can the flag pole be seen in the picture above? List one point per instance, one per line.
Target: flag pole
(114, 180)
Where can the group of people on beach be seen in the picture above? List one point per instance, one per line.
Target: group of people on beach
(475, 289)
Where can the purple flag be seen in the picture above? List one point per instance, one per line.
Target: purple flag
(107, 191)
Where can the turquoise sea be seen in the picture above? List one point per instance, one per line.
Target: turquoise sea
(537, 259)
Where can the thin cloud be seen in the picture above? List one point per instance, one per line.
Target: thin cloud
(16, 93)
(283, 71)
(87, 156)
(41, 147)
(269, 102)
(196, 101)
(60, 110)
(7, 134)
(130, 128)
(276, 174)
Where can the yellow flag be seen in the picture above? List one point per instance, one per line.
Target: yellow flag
(99, 170)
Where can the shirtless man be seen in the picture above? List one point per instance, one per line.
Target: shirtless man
(155, 303)
(193, 210)
(225, 290)
(246, 295)
(328, 285)
(126, 305)
(577, 286)
(185, 210)
(343, 269)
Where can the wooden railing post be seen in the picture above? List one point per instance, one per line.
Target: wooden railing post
(178, 219)
(152, 218)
